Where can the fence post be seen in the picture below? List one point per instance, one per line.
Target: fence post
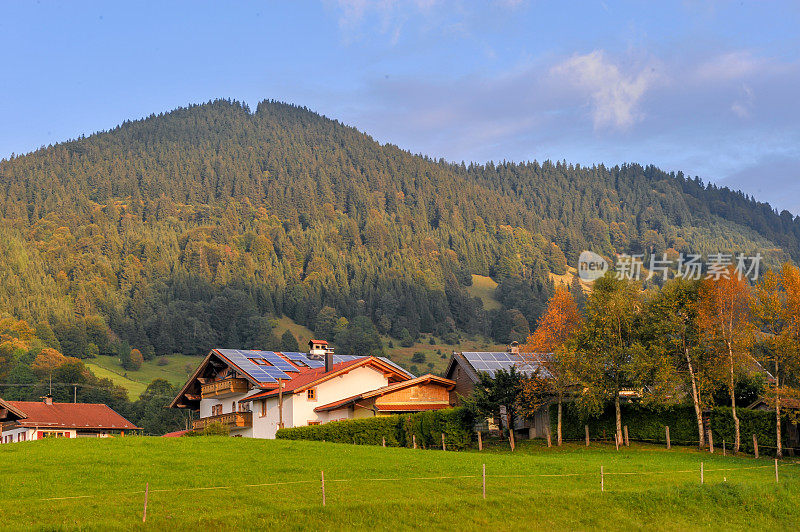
(776, 471)
(627, 441)
(702, 480)
(323, 487)
(669, 444)
(587, 435)
(616, 441)
(724, 449)
(480, 441)
(443, 447)
(710, 442)
(511, 438)
(383, 441)
(602, 480)
(147, 492)
(549, 440)
(484, 481)
(414, 440)
(755, 445)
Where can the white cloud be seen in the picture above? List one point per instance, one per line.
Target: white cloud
(615, 94)
(729, 66)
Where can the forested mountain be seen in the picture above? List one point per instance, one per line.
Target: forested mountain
(188, 230)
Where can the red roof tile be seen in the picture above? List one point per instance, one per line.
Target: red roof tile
(71, 415)
(176, 434)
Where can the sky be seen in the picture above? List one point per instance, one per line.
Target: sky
(707, 88)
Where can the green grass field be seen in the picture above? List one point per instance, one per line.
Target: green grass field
(233, 483)
(484, 287)
(176, 371)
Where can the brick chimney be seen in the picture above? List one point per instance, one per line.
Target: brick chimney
(328, 360)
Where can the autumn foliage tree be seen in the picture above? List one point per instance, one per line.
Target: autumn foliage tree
(547, 348)
(775, 309)
(725, 320)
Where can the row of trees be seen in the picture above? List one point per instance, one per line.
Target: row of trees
(683, 342)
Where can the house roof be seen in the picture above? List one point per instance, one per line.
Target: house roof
(293, 369)
(70, 416)
(411, 407)
(312, 377)
(176, 434)
(424, 379)
(11, 409)
(475, 362)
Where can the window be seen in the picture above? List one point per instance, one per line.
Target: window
(22, 436)
(263, 408)
(313, 422)
(312, 394)
(216, 410)
(233, 406)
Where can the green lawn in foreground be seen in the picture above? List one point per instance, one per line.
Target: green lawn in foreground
(361, 493)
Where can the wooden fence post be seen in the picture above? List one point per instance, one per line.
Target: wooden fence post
(443, 446)
(383, 441)
(710, 442)
(147, 492)
(414, 440)
(602, 480)
(511, 438)
(669, 444)
(627, 441)
(480, 441)
(755, 445)
(484, 481)
(587, 435)
(323, 487)
(776, 471)
(702, 480)
(616, 441)
(724, 449)
(549, 440)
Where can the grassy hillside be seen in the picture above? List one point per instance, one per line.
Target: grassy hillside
(176, 370)
(256, 483)
(484, 287)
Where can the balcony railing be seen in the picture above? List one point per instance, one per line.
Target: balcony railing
(234, 420)
(224, 388)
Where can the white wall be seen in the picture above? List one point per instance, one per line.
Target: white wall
(360, 380)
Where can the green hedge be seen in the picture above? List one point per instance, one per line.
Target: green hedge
(644, 424)
(455, 423)
(758, 422)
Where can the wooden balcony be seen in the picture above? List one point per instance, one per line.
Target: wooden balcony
(224, 388)
(236, 420)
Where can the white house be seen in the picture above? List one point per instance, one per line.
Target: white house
(35, 420)
(254, 393)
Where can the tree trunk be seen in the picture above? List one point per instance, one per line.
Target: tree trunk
(619, 416)
(696, 399)
(779, 452)
(558, 428)
(732, 389)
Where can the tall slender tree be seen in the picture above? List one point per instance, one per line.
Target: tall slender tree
(726, 326)
(547, 348)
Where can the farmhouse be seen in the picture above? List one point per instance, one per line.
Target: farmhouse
(35, 420)
(254, 393)
(464, 369)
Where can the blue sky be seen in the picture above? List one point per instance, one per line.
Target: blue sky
(709, 88)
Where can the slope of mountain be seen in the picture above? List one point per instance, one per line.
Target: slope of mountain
(191, 228)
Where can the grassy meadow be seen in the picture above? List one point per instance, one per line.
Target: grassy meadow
(234, 483)
(176, 371)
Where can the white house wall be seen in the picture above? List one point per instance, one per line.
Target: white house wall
(359, 380)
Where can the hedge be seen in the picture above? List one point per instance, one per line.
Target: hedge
(644, 424)
(428, 427)
(758, 422)
(647, 424)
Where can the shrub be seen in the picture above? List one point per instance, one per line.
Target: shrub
(428, 427)
(162, 361)
(758, 422)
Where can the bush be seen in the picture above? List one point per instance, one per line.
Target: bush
(212, 429)
(644, 424)
(758, 422)
(418, 357)
(455, 423)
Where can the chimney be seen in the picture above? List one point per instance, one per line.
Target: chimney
(48, 399)
(328, 360)
(513, 348)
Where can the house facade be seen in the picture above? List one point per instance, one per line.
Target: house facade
(255, 393)
(35, 420)
(464, 369)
